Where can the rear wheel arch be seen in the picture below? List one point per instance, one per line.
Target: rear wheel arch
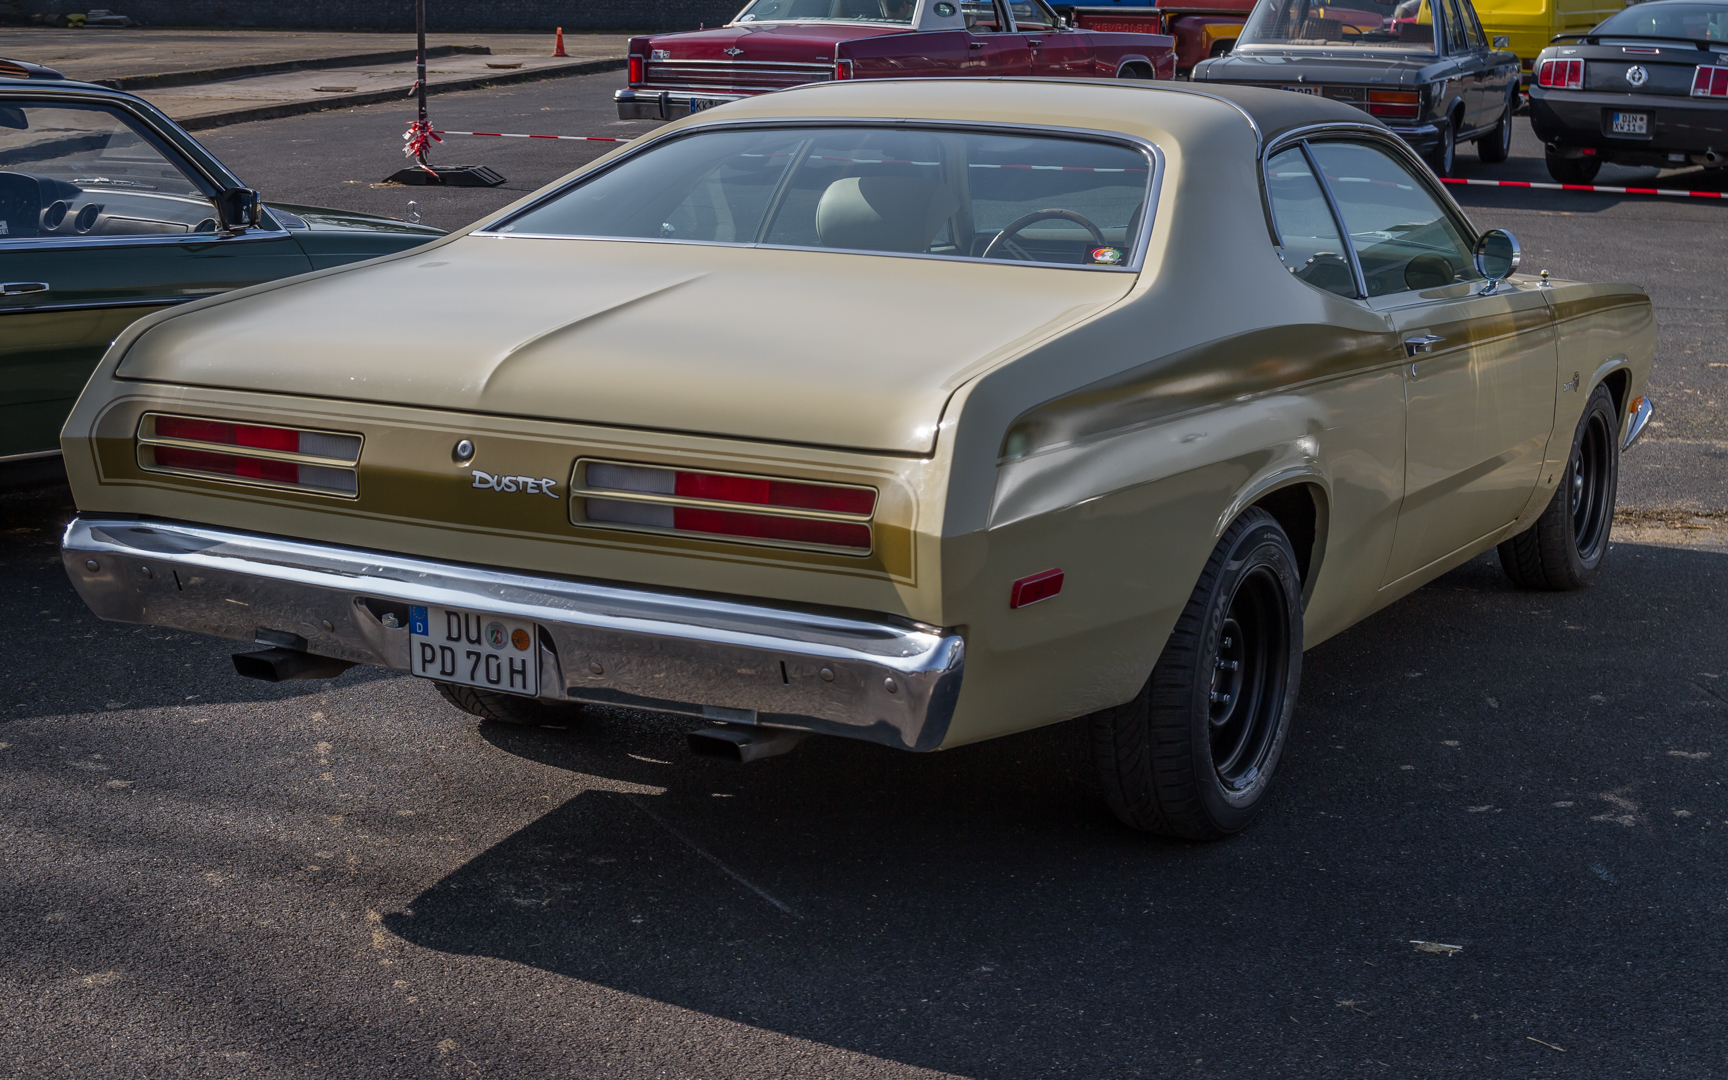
(1300, 508)
(1136, 68)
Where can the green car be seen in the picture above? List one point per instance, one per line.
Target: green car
(108, 212)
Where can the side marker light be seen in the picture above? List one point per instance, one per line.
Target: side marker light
(1030, 590)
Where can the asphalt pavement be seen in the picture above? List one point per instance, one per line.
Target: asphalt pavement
(1497, 847)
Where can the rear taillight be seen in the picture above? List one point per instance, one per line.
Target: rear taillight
(1395, 104)
(1710, 82)
(1560, 74)
(266, 455)
(754, 509)
(842, 70)
(635, 73)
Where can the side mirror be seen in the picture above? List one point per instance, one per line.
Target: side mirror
(1501, 41)
(1497, 256)
(239, 209)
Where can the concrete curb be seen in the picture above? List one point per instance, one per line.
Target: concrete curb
(240, 71)
(346, 101)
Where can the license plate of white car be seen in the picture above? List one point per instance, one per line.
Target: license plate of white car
(473, 648)
(697, 104)
(1303, 89)
(1631, 123)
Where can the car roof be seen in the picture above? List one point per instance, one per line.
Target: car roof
(1134, 107)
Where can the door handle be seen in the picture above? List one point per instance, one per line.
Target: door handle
(974, 44)
(22, 288)
(1423, 344)
(1034, 42)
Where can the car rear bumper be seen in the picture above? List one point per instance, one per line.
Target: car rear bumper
(644, 104)
(1577, 118)
(867, 676)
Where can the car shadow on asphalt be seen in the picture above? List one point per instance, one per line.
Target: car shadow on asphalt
(1458, 773)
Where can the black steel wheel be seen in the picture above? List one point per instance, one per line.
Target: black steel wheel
(1193, 754)
(507, 708)
(1444, 155)
(1566, 546)
(1565, 170)
(1496, 146)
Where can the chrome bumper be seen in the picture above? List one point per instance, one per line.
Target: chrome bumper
(875, 677)
(1642, 411)
(661, 104)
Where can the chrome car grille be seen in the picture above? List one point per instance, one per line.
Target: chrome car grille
(726, 75)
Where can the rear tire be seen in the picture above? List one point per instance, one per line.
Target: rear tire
(1565, 170)
(506, 708)
(1193, 754)
(1565, 548)
(1496, 146)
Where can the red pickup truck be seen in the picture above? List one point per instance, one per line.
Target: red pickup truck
(1201, 30)
(773, 44)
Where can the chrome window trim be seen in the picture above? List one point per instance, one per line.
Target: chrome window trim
(1331, 198)
(78, 243)
(1387, 139)
(1154, 184)
(98, 305)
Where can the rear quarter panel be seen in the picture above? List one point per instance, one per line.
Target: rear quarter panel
(1216, 382)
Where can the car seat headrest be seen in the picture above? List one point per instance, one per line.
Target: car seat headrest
(884, 213)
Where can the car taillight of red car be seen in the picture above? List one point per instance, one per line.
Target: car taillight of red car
(1561, 74)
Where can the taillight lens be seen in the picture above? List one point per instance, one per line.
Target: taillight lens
(635, 72)
(1395, 104)
(842, 70)
(1710, 82)
(1560, 74)
(321, 462)
(751, 508)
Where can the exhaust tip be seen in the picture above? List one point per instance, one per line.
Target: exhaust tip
(741, 744)
(285, 665)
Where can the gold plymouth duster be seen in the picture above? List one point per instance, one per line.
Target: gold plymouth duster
(870, 411)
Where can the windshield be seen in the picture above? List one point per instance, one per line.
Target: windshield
(871, 11)
(1694, 22)
(1406, 26)
(1053, 200)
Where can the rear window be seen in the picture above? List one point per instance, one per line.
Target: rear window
(1693, 22)
(1037, 199)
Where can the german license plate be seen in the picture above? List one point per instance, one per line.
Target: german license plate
(474, 648)
(1303, 89)
(1630, 123)
(697, 104)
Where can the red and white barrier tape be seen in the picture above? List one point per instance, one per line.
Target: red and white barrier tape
(1600, 188)
(507, 135)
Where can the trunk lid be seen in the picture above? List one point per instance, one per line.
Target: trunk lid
(820, 348)
(767, 57)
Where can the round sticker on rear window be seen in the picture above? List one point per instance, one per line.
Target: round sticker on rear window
(1107, 256)
(945, 9)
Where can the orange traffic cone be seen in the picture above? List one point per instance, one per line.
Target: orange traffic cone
(558, 45)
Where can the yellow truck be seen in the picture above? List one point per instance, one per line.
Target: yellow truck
(1529, 25)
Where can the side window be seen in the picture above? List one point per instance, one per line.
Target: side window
(84, 170)
(1472, 26)
(981, 16)
(1031, 17)
(1454, 29)
(1308, 237)
(1404, 240)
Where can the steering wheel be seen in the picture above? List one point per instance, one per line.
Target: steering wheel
(1349, 28)
(1013, 228)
